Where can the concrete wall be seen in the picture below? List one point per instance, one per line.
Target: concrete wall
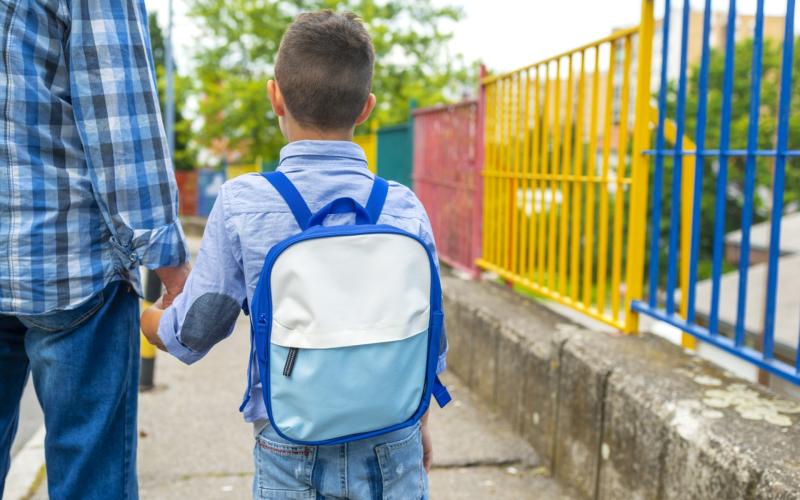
(620, 417)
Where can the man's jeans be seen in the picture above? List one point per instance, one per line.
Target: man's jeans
(85, 366)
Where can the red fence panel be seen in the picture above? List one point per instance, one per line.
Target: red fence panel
(448, 156)
(187, 191)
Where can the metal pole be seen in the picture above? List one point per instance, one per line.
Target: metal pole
(170, 100)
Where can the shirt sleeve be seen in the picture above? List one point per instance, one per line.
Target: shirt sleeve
(206, 312)
(426, 234)
(115, 102)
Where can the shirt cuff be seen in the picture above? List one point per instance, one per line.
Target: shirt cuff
(163, 246)
(169, 337)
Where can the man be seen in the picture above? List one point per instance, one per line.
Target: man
(87, 194)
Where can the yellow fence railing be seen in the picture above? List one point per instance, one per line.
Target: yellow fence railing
(369, 143)
(565, 183)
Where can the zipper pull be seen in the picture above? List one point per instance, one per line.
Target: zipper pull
(290, 359)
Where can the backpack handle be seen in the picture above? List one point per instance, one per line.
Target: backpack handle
(368, 214)
(341, 206)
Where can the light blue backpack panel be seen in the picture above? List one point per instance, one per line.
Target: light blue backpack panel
(346, 324)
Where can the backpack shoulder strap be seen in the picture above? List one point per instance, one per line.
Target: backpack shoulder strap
(377, 197)
(291, 196)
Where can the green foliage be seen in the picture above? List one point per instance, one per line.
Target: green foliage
(236, 59)
(768, 116)
(184, 156)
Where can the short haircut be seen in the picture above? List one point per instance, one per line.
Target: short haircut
(324, 69)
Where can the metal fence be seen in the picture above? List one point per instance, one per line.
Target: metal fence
(720, 161)
(447, 163)
(565, 186)
(369, 143)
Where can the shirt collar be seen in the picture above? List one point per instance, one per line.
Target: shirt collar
(322, 153)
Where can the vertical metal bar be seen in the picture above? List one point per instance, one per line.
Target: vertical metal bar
(543, 169)
(524, 237)
(722, 174)
(658, 173)
(170, 97)
(552, 229)
(619, 192)
(588, 246)
(778, 184)
(565, 186)
(602, 240)
(700, 142)
(577, 172)
(503, 174)
(514, 178)
(489, 238)
(677, 166)
(535, 157)
(750, 171)
(639, 169)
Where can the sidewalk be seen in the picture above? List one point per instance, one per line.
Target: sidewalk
(194, 444)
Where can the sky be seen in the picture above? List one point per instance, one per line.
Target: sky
(504, 34)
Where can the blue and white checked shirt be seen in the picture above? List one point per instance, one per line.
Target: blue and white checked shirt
(250, 217)
(87, 190)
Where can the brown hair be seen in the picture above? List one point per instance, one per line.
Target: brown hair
(324, 69)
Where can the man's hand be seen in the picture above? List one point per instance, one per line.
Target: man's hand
(427, 444)
(173, 279)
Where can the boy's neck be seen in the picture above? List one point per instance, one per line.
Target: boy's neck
(296, 133)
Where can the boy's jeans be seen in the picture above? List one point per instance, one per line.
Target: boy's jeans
(85, 366)
(387, 467)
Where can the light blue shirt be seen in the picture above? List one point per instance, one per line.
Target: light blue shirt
(248, 218)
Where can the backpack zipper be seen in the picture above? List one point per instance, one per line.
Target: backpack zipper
(290, 359)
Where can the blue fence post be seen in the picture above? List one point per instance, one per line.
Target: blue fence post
(722, 174)
(750, 171)
(658, 175)
(700, 142)
(779, 181)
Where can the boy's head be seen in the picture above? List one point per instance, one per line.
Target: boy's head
(324, 74)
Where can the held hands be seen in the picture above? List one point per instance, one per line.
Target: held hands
(173, 279)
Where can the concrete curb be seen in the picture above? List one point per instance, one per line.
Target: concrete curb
(620, 417)
(26, 468)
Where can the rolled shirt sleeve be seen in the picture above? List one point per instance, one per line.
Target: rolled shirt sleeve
(206, 311)
(117, 113)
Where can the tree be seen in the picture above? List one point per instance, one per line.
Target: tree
(184, 155)
(236, 59)
(768, 116)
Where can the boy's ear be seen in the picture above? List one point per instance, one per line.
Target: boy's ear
(276, 98)
(368, 107)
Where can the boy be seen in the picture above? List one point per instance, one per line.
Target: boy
(321, 91)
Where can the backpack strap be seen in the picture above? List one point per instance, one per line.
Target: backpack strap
(440, 392)
(291, 196)
(300, 210)
(377, 197)
(250, 358)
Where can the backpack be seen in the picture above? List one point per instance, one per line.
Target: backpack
(346, 323)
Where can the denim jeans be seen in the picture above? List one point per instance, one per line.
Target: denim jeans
(387, 467)
(85, 367)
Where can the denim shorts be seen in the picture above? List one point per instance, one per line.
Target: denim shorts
(387, 467)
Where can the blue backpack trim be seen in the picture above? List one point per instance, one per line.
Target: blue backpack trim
(261, 308)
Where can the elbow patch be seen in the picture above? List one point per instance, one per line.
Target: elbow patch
(209, 320)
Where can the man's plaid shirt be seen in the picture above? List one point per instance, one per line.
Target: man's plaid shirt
(87, 190)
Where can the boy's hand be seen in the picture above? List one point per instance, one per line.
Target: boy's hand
(149, 323)
(427, 444)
